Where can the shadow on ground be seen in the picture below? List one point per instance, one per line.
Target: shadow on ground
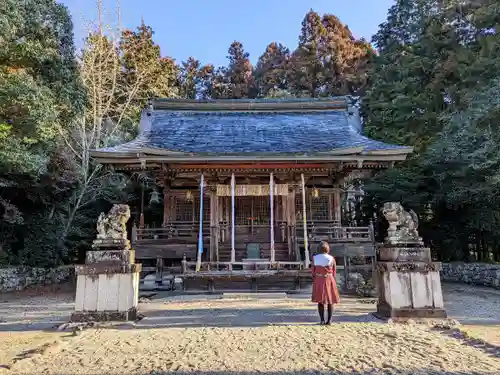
(47, 309)
(458, 334)
(242, 318)
(387, 371)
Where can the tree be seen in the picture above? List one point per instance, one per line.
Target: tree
(306, 67)
(345, 59)
(434, 86)
(144, 69)
(39, 92)
(239, 72)
(119, 76)
(413, 80)
(271, 72)
(190, 78)
(465, 162)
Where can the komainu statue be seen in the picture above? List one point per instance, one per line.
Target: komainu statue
(402, 224)
(113, 225)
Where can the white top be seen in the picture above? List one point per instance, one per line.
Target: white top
(323, 260)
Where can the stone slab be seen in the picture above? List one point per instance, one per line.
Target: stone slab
(256, 295)
(104, 316)
(98, 269)
(111, 244)
(404, 254)
(386, 312)
(110, 257)
(408, 266)
(394, 239)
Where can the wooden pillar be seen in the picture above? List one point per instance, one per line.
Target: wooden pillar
(141, 217)
(233, 249)
(214, 224)
(284, 218)
(337, 207)
(200, 233)
(291, 220)
(330, 207)
(227, 217)
(167, 206)
(307, 260)
(271, 212)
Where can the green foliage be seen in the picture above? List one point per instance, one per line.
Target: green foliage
(39, 92)
(435, 86)
(271, 72)
(190, 78)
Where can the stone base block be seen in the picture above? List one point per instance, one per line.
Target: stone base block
(106, 296)
(97, 269)
(104, 316)
(404, 254)
(110, 257)
(111, 244)
(385, 311)
(410, 292)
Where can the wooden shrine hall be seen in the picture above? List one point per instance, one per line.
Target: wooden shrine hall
(250, 187)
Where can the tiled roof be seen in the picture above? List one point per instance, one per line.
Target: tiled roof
(229, 129)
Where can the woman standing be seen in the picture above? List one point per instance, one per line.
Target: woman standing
(324, 291)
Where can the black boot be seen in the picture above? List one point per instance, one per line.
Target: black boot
(330, 313)
(321, 311)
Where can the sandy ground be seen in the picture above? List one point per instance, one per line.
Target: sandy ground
(213, 335)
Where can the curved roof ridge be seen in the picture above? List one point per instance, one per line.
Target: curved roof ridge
(251, 105)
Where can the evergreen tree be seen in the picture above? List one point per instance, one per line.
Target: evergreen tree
(345, 59)
(145, 68)
(413, 78)
(206, 77)
(271, 72)
(189, 78)
(306, 65)
(434, 86)
(39, 93)
(239, 72)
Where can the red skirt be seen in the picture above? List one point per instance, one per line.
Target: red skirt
(324, 286)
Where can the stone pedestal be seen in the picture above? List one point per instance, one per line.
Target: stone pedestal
(108, 284)
(408, 281)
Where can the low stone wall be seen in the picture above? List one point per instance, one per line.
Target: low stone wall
(472, 273)
(19, 278)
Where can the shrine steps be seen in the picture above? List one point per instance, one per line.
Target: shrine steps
(248, 281)
(280, 251)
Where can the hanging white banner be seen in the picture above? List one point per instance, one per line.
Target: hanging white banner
(251, 190)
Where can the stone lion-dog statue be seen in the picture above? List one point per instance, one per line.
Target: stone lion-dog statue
(402, 223)
(113, 225)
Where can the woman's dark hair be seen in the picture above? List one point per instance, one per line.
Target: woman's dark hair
(324, 247)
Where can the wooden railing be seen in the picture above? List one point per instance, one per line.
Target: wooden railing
(280, 230)
(316, 231)
(332, 231)
(178, 229)
(262, 265)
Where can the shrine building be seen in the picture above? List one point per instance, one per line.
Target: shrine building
(250, 187)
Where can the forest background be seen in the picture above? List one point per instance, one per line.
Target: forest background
(428, 79)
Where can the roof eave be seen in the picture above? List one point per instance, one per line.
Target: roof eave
(394, 151)
(109, 159)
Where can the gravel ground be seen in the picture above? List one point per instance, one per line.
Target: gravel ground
(248, 335)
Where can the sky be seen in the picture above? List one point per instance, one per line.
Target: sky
(205, 29)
